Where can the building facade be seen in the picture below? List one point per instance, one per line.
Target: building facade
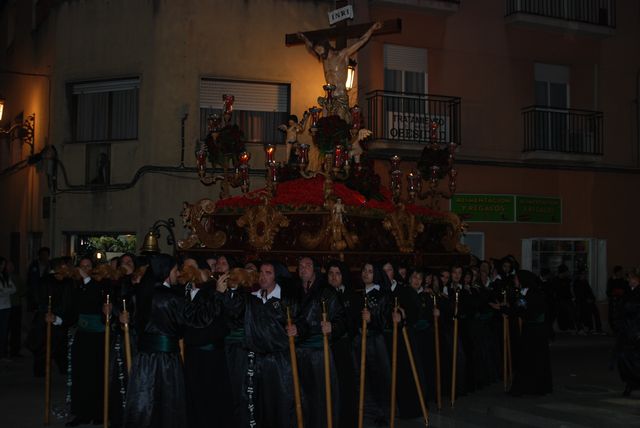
(540, 96)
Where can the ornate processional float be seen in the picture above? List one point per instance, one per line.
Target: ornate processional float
(325, 200)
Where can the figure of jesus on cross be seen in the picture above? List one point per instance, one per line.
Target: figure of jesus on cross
(335, 61)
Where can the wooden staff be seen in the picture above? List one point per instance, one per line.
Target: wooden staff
(394, 368)
(509, 366)
(107, 348)
(327, 370)
(505, 345)
(294, 370)
(127, 339)
(47, 368)
(363, 361)
(520, 325)
(436, 338)
(416, 379)
(455, 351)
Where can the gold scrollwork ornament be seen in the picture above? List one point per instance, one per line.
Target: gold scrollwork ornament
(199, 217)
(455, 229)
(405, 228)
(339, 236)
(262, 222)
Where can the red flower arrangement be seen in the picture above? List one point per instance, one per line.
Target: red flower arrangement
(332, 131)
(228, 144)
(308, 195)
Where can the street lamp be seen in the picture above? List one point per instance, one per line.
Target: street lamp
(22, 129)
(351, 74)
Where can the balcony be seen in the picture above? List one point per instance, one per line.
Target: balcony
(403, 122)
(562, 134)
(592, 17)
(439, 6)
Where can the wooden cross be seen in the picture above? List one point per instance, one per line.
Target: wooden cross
(341, 32)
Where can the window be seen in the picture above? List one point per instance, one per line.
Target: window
(475, 241)
(405, 69)
(552, 102)
(552, 85)
(105, 110)
(78, 244)
(408, 110)
(588, 254)
(259, 108)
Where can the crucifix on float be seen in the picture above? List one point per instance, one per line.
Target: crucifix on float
(335, 60)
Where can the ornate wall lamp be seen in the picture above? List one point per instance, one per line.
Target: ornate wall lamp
(22, 129)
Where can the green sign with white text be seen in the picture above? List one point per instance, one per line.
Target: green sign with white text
(535, 209)
(489, 208)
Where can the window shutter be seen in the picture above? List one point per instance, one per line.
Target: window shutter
(106, 86)
(405, 58)
(249, 96)
(551, 73)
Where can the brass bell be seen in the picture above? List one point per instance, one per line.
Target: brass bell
(150, 244)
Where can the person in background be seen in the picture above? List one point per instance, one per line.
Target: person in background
(7, 288)
(211, 261)
(550, 300)
(377, 315)
(85, 312)
(617, 287)
(60, 287)
(587, 311)
(38, 269)
(338, 277)
(628, 346)
(533, 371)
(565, 299)
(315, 294)
(15, 318)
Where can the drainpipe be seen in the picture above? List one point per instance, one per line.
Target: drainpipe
(638, 118)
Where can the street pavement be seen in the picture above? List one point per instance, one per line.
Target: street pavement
(586, 394)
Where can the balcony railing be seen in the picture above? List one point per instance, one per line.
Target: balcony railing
(594, 12)
(413, 118)
(563, 130)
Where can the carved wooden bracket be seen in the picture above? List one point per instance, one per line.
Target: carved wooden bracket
(199, 218)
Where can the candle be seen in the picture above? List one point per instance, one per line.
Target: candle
(303, 158)
(412, 180)
(269, 150)
(395, 163)
(244, 158)
(435, 169)
(315, 115)
(396, 182)
(338, 156)
(329, 88)
(228, 103)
